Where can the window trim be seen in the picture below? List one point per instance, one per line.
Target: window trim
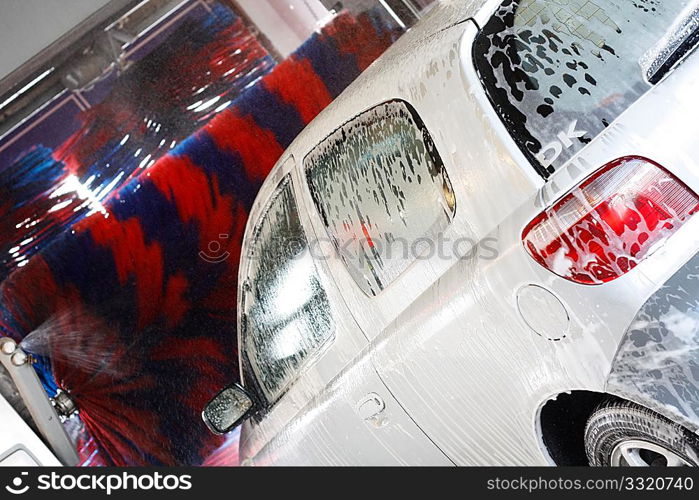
(531, 158)
(248, 375)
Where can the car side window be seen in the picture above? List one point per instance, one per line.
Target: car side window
(382, 192)
(286, 315)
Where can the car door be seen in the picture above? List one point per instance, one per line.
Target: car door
(296, 333)
(297, 336)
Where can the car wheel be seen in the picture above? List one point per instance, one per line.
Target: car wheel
(621, 433)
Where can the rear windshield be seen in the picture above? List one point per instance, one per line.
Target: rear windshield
(559, 71)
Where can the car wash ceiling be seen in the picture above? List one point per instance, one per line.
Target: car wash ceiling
(73, 42)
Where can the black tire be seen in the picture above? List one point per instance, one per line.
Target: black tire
(616, 421)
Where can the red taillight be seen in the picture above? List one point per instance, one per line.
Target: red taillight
(607, 224)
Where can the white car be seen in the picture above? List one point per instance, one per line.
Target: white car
(484, 251)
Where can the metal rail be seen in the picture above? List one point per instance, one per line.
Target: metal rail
(16, 362)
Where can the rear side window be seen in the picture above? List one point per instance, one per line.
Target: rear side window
(559, 71)
(286, 314)
(382, 192)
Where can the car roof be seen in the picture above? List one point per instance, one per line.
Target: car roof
(375, 84)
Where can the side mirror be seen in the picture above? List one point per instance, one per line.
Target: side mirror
(227, 409)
